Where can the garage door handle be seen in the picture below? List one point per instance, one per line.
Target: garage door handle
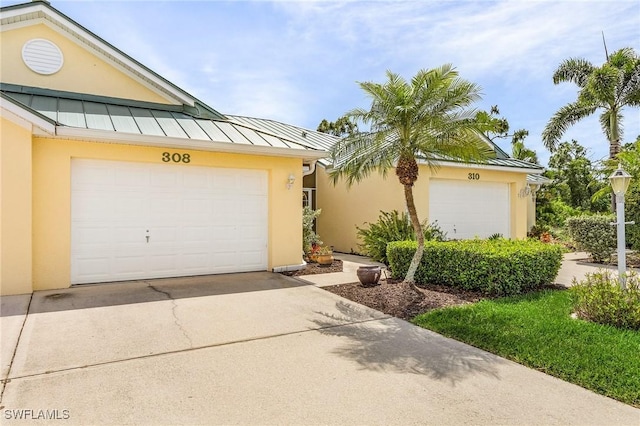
(147, 236)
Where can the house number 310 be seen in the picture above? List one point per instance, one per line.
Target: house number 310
(176, 157)
(473, 176)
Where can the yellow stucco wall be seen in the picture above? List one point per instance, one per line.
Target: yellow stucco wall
(15, 209)
(82, 71)
(345, 208)
(52, 200)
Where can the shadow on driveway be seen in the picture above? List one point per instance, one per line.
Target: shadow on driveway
(394, 345)
(142, 291)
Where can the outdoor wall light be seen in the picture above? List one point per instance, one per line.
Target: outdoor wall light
(290, 181)
(619, 183)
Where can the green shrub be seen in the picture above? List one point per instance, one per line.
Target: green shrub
(600, 299)
(499, 267)
(594, 234)
(309, 236)
(536, 231)
(392, 226)
(554, 212)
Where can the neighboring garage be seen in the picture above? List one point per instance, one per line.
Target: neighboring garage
(140, 220)
(470, 209)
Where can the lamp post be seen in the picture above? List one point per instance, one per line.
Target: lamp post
(619, 183)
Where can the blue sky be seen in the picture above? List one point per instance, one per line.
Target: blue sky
(299, 61)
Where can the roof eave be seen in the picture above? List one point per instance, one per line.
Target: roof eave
(14, 109)
(106, 136)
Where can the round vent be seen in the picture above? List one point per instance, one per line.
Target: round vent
(42, 56)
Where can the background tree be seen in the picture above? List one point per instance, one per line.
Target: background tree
(575, 181)
(630, 159)
(518, 149)
(342, 127)
(495, 127)
(608, 88)
(410, 121)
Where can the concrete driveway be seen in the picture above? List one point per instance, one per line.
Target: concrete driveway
(258, 348)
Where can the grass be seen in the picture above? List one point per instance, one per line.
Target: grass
(536, 330)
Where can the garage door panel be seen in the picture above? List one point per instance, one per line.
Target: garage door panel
(95, 269)
(130, 176)
(199, 220)
(467, 210)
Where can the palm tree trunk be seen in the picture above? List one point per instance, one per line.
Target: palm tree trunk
(415, 222)
(614, 147)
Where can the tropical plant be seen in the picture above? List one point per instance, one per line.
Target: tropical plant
(608, 88)
(425, 119)
(309, 236)
(392, 226)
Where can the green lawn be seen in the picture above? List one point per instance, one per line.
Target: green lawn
(537, 331)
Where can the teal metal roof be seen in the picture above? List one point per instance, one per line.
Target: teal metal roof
(502, 162)
(301, 135)
(325, 142)
(538, 179)
(143, 118)
(176, 121)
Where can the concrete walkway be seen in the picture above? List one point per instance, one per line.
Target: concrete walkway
(258, 348)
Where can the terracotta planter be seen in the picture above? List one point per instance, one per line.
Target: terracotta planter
(324, 259)
(369, 275)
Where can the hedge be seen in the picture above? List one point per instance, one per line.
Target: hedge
(594, 234)
(500, 267)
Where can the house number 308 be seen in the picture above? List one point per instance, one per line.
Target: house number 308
(176, 157)
(473, 176)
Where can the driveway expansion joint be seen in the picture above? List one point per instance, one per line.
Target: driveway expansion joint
(192, 348)
(174, 306)
(15, 350)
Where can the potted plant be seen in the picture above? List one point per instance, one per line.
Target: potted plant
(324, 255)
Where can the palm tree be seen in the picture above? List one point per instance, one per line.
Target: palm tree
(424, 120)
(608, 88)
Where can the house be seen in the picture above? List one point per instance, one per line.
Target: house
(109, 172)
(465, 200)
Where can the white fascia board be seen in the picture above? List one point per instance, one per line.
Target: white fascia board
(107, 136)
(104, 49)
(485, 167)
(25, 118)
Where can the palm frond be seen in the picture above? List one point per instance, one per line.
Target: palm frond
(574, 70)
(564, 118)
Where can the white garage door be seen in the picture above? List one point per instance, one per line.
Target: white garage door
(467, 210)
(134, 220)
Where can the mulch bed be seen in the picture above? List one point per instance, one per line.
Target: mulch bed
(315, 268)
(400, 300)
